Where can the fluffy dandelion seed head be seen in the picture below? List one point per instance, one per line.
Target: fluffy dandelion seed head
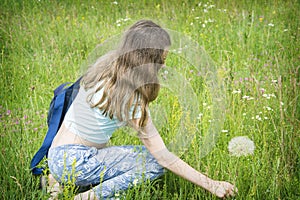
(241, 146)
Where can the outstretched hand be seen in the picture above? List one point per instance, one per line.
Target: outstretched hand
(223, 189)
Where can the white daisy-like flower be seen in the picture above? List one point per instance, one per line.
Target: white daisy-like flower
(258, 117)
(236, 91)
(241, 146)
(200, 116)
(268, 108)
(135, 182)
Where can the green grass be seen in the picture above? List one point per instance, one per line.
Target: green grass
(254, 44)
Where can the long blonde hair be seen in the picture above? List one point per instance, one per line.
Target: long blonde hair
(129, 75)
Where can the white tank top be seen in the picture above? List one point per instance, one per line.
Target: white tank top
(89, 123)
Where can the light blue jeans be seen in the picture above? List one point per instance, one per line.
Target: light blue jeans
(109, 170)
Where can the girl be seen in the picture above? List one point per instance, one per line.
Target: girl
(115, 92)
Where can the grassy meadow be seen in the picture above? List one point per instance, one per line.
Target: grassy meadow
(254, 45)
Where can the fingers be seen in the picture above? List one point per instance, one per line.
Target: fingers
(224, 189)
(229, 191)
(232, 191)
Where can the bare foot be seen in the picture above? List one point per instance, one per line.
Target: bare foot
(88, 195)
(51, 186)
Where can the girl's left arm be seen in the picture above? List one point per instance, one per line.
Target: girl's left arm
(156, 146)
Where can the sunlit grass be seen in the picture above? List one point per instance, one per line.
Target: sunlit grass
(254, 44)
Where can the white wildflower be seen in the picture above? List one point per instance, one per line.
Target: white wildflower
(281, 103)
(268, 108)
(224, 131)
(120, 21)
(258, 117)
(200, 116)
(241, 146)
(115, 2)
(247, 97)
(266, 96)
(270, 24)
(135, 182)
(236, 91)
